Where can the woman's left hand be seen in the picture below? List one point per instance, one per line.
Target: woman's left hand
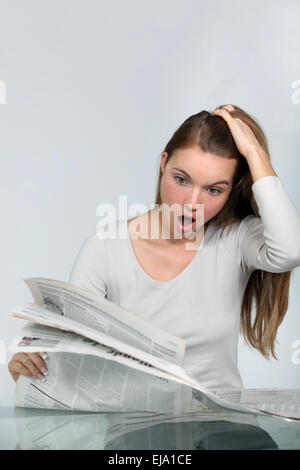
(242, 135)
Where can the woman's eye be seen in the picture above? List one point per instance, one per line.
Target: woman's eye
(181, 177)
(215, 189)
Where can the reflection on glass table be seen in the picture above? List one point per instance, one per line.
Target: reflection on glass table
(29, 428)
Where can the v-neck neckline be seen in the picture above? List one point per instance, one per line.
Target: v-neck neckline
(179, 276)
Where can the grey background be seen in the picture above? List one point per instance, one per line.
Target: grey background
(95, 90)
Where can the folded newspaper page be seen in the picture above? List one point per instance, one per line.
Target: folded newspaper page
(103, 358)
(77, 305)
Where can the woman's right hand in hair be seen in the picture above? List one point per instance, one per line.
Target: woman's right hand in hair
(29, 364)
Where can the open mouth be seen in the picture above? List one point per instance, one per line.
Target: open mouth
(185, 222)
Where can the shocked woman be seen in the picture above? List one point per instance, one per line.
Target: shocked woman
(238, 277)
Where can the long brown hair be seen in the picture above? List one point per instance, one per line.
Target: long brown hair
(268, 292)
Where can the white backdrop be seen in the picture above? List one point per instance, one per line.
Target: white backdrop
(92, 90)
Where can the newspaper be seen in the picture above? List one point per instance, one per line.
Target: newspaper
(103, 358)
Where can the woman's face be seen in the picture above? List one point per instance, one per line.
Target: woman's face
(194, 177)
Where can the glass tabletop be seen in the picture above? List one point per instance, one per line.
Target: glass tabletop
(30, 428)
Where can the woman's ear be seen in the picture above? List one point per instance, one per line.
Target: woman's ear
(163, 161)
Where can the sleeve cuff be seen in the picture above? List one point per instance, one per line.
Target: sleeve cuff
(265, 180)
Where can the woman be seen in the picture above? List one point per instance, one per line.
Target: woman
(248, 243)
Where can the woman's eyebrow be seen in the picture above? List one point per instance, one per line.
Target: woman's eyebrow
(217, 182)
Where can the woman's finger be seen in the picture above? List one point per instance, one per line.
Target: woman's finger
(26, 361)
(224, 112)
(39, 362)
(240, 131)
(228, 107)
(232, 123)
(16, 368)
(43, 355)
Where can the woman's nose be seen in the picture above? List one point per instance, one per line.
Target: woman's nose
(194, 209)
(195, 198)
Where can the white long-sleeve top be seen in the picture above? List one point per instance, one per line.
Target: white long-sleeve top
(202, 304)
